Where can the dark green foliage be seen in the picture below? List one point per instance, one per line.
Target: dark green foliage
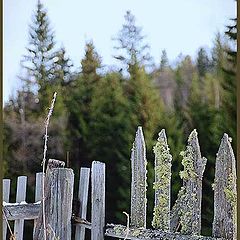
(111, 128)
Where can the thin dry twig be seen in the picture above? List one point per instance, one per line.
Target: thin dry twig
(44, 162)
(12, 236)
(127, 230)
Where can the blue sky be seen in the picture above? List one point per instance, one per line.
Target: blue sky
(177, 26)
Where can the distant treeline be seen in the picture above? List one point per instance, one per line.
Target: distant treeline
(97, 112)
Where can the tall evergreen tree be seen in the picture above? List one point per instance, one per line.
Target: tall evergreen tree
(164, 60)
(130, 43)
(39, 60)
(111, 126)
(81, 92)
(203, 62)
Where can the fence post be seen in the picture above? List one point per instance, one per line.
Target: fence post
(20, 197)
(139, 181)
(83, 198)
(187, 209)
(225, 193)
(58, 202)
(6, 193)
(98, 201)
(162, 184)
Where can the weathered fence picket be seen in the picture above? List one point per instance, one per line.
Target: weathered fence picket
(139, 181)
(58, 203)
(187, 209)
(162, 184)
(20, 197)
(6, 194)
(83, 198)
(182, 222)
(225, 192)
(98, 201)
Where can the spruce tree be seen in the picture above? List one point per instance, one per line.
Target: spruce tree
(164, 60)
(111, 126)
(81, 92)
(203, 62)
(39, 60)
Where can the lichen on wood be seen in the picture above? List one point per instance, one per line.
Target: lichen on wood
(187, 209)
(139, 181)
(162, 184)
(225, 193)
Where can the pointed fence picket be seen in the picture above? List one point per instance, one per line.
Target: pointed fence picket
(181, 222)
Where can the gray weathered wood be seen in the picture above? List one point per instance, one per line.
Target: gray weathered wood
(6, 193)
(38, 192)
(225, 192)
(119, 231)
(187, 209)
(98, 201)
(58, 203)
(139, 181)
(20, 197)
(22, 211)
(83, 198)
(162, 184)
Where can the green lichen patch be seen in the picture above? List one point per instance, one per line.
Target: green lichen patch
(230, 192)
(163, 159)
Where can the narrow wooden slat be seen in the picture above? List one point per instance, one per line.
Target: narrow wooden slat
(139, 181)
(83, 198)
(38, 192)
(225, 193)
(22, 211)
(6, 194)
(98, 201)
(162, 184)
(187, 209)
(58, 203)
(21, 196)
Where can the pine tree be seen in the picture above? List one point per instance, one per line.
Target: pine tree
(81, 92)
(111, 126)
(164, 60)
(39, 60)
(130, 44)
(203, 62)
(229, 85)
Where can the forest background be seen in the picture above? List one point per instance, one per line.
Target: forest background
(97, 110)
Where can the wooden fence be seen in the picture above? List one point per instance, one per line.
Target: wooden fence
(183, 221)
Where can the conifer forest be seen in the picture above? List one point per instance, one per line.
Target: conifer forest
(98, 109)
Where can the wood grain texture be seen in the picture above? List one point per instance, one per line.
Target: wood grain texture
(139, 181)
(98, 201)
(58, 204)
(83, 198)
(225, 193)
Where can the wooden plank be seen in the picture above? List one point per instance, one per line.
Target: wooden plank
(22, 211)
(139, 181)
(6, 194)
(21, 196)
(58, 204)
(98, 201)
(225, 192)
(162, 184)
(119, 231)
(187, 209)
(38, 192)
(83, 198)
